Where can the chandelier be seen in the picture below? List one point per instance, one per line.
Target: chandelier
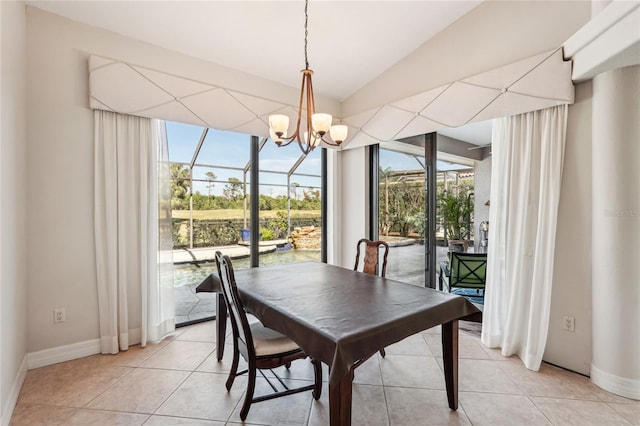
(316, 125)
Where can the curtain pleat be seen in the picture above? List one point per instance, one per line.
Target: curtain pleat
(160, 315)
(126, 229)
(528, 152)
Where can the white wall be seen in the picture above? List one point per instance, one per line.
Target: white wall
(334, 215)
(616, 230)
(354, 203)
(571, 293)
(494, 34)
(60, 236)
(481, 193)
(13, 175)
(572, 273)
(59, 185)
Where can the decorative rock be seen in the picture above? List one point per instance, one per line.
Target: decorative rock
(306, 237)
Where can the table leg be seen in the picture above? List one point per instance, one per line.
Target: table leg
(340, 401)
(221, 324)
(450, 360)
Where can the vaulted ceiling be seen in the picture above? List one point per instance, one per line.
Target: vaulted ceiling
(373, 60)
(349, 42)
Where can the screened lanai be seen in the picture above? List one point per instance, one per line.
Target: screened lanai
(212, 171)
(211, 205)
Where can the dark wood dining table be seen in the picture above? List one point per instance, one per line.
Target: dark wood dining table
(340, 316)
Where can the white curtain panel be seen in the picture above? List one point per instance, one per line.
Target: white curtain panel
(162, 316)
(131, 309)
(528, 152)
(159, 301)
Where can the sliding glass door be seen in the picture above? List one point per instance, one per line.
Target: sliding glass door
(290, 204)
(411, 182)
(214, 175)
(401, 210)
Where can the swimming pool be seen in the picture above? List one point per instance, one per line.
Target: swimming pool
(190, 274)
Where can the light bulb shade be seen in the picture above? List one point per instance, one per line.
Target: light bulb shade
(339, 133)
(315, 140)
(321, 122)
(279, 124)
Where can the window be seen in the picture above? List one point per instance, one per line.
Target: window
(211, 190)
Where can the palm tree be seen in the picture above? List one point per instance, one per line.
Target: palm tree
(179, 185)
(233, 190)
(210, 178)
(385, 221)
(456, 210)
(295, 185)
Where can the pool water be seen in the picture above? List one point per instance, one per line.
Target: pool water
(194, 274)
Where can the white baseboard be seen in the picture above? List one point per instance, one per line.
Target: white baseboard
(617, 385)
(7, 410)
(63, 353)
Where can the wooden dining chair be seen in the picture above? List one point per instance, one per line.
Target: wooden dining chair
(261, 347)
(371, 260)
(372, 257)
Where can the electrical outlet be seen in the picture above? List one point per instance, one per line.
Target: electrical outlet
(569, 323)
(59, 315)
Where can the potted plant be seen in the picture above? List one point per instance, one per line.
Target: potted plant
(455, 211)
(416, 222)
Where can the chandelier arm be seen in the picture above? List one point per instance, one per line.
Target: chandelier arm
(310, 97)
(284, 142)
(329, 141)
(302, 86)
(310, 110)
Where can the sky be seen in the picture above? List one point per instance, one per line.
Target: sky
(229, 149)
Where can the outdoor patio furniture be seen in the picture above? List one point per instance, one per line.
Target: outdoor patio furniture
(465, 274)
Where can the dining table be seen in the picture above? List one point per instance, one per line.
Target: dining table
(341, 317)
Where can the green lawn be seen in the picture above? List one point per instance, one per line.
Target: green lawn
(237, 214)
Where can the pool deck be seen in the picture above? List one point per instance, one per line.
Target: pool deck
(207, 254)
(191, 306)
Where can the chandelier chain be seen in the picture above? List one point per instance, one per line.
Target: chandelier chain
(306, 33)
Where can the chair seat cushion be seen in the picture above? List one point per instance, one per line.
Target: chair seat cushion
(475, 296)
(269, 342)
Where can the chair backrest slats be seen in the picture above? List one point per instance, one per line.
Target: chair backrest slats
(371, 256)
(239, 322)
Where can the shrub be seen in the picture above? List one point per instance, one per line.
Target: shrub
(266, 234)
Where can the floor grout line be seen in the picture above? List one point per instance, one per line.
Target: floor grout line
(511, 371)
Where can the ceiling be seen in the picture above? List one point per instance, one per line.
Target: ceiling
(478, 133)
(351, 43)
(370, 58)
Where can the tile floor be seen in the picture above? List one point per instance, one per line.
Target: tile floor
(179, 382)
(191, 306)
